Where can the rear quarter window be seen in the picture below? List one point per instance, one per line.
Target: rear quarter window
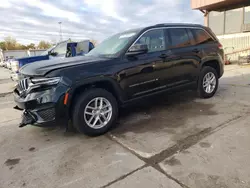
(201, 37)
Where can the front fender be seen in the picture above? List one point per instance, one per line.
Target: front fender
(89, 82)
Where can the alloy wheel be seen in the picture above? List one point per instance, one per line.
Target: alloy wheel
(98, 112)
(209, 82)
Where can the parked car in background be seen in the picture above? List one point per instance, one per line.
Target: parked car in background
(5, 63)
(8, 63)
(63, 49)
(126, 67)
(1, 63)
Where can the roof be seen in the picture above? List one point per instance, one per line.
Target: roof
(178, 25)
(172, 25)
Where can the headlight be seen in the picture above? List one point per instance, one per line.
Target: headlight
(45, 81)
(15, 66)
(39, 82)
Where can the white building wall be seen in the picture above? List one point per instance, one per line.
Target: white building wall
(15, 54)
(235, 42)
(21, 53)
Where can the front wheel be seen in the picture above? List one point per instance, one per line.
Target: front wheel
(208, 82)
(95, 112)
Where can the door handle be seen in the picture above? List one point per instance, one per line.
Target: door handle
(196, 50)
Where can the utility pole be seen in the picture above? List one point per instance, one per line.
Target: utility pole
(60, 34)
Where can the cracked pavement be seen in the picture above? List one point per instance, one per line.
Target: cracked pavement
(169, 141)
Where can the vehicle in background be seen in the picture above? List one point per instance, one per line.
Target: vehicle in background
(87, 91)
(1, 58)
(4, 64)
(8, 63)
(63, 49)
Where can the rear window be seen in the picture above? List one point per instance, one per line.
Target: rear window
(179, 38)
(201, 36)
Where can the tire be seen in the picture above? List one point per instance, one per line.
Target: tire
(80, 117)
(201, 90)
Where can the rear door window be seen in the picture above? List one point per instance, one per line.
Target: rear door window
(201, 37)
(179, 37)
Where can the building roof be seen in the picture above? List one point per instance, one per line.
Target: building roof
(210, 5)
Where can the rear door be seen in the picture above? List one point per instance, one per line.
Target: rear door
(183, 57)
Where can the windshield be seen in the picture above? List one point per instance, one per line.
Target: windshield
(114, 44)
(47, 51)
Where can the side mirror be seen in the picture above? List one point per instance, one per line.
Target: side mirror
(53, 53)
(137, 49)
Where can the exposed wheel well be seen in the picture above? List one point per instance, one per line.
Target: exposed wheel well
(215, 64)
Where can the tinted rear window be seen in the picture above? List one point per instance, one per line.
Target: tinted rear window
(179, 38)
(201, 36)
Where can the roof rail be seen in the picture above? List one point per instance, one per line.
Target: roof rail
(172, 24)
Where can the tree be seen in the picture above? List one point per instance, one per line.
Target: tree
(2, 45)
(31, 46)
(44, 45)
(20, 47)
(10, 43)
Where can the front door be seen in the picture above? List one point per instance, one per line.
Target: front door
(144, 75)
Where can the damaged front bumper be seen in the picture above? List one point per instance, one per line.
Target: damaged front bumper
(42, 108)
(27, 118)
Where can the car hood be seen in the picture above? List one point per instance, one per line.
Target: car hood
(40, 68)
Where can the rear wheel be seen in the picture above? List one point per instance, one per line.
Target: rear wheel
(208, 82)
(95, 112)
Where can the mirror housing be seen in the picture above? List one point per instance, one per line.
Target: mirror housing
(53, 53)
(137, 49)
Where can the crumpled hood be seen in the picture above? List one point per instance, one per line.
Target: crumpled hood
(40, 68)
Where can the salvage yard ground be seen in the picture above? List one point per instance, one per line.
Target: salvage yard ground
(168, 141)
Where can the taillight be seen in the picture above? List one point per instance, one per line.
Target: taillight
(220, 46)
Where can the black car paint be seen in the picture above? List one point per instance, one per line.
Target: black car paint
(131, 77)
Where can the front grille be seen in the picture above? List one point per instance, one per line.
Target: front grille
(23, 84)
(47, 115)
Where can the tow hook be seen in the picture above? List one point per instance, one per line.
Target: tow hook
(27, 118)
(17, 108)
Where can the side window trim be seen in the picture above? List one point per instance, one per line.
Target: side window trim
(189, 39)
(168, 27)
(167, 39)
(191, 36)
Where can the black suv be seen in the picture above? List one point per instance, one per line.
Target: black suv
(88, 90)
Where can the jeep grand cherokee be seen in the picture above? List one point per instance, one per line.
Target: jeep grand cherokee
(131, 65)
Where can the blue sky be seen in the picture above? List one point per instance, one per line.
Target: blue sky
(34, 20)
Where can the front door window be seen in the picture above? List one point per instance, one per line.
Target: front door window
(154, 39)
